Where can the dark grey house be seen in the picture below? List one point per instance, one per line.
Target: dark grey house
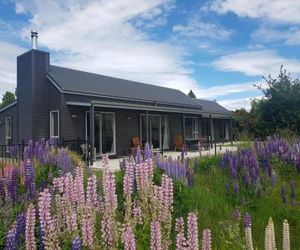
(62, 103)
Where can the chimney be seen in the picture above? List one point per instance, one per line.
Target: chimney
(34, 37)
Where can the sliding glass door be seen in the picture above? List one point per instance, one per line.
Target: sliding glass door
(158, 130)
(105, 132)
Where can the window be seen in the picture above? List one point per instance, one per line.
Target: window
(8, 131)
(191, 127)
(54, 124)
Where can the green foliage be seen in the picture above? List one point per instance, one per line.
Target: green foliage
(191, 94)
(7, 99)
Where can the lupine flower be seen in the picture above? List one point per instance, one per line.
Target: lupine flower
(155, 236)
(192, 232)
(20, 226)
(87, 229)
(63, 161)
(137, 213)
(270, 243)
(206, 239)
(30, 180)
(236, 214)
(76, 244)
(10, 242)
(286, 236)
(78, 185)
(91, 192)
(107, 234)
(181, 243)
(30, 225)
(128, 238)
(248, 232)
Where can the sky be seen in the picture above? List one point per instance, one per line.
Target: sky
(218, 48)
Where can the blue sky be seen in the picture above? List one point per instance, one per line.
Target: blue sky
(217, 48)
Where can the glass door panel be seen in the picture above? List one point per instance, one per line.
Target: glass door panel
(155, 131)
(108, 133)
(97, 132)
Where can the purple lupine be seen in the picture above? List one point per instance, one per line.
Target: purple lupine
(128, 238)
(20, 226)
(10, 242)
(76, 244)
(247, 220)
(30, 225)
(293, 192)
(206, 239)
(283, 195)
(190, 178)
(64, 162)
(192, 232)
(12, 184)
(155, 236)
(30, 180)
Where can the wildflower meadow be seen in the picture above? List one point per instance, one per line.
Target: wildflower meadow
(240, 200)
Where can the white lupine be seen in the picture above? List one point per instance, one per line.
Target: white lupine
(248, 236)
(286, 236)
(270, 243)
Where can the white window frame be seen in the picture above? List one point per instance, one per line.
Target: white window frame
(8, 137)
(52, 124)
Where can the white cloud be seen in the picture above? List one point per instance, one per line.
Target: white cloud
(197, 29)
(239, 103)
(102, 37)
(266, 34)
(229, 89)
(8, 54)
(256, 63)
(276, 11)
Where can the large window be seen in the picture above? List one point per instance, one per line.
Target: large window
(54, 124)
(8, 131)
(191, 127)
(158, 130)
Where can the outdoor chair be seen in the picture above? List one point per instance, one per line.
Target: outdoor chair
(178, 143)
(135, 141)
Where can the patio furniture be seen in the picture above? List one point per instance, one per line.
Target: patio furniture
(136, 143)
(178, 143)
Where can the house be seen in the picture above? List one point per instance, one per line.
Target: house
(63, 103)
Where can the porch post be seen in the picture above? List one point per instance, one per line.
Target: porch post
(147, 126)
(183, 128)
(92, 132)
(230, 130)
(210, 129)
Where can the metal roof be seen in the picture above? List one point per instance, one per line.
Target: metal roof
(80, 82)
(212, 107)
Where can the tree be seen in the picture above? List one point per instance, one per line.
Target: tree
(279, 109)
(191, 94)
(7, 99)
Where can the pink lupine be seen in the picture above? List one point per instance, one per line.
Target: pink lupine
(137, 213)
(192, 232)
(71, 221)
(79, 185)
(206, 239)
(68, 188)
(167, 187)
(44, 211)
(109, 191)
(127, 195)
(91, 192)
(87, 229)
(107, 234)
(30, 225)
(58, 184)
(157, 203)
(128, 238)
(181, 243)
(155, 236)
(48, 228)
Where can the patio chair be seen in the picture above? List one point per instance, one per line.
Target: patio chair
(178, 143)
(135, 141)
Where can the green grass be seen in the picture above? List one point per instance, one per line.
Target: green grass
(214, 206)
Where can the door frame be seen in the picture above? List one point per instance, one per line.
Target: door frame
(100, 132)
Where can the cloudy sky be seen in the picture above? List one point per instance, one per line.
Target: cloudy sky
(217, 48)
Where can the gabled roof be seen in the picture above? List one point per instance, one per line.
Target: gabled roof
(80, 82)
(212, 107)
(9, 106)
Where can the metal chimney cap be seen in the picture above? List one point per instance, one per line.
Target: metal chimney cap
(34, 33)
